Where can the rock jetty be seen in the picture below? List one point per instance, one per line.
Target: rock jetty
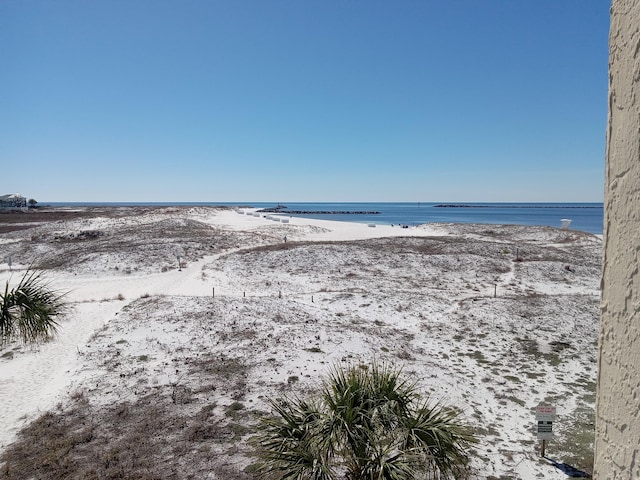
(283, 209)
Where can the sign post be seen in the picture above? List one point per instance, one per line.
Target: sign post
(545, 415)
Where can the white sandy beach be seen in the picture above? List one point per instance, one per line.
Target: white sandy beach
(481, 330)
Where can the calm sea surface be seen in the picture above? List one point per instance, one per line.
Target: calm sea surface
(587, 217)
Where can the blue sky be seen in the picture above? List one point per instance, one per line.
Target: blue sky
(295, 100)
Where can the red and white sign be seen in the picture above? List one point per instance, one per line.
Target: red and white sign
(545, 413)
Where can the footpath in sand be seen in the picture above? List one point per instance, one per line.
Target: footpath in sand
(151, 372)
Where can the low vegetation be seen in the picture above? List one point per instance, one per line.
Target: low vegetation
(365, 423)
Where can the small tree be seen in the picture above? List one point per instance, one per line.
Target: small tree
(30, 310)
(32, 202)
(364, 424)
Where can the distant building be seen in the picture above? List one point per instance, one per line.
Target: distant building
(14, 200)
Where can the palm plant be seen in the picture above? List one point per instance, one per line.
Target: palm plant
(29, 311)
(365, 424)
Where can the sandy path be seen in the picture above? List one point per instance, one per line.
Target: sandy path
(36, 378)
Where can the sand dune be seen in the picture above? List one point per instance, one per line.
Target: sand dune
(149, 357)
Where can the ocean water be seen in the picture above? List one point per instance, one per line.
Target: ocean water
(587, 217)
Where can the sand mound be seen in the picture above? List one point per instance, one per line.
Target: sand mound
(492, 319)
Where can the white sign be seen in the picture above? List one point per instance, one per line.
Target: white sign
(545, 430)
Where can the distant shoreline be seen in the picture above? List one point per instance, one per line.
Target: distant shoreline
(285, 210)
(584, 216)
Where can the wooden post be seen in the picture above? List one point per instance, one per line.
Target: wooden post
(311, 298)
(244, 294)
(213, 292)
(279, 293)
(495, 290)
(543, 448)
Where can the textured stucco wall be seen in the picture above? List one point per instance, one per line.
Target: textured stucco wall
(618, 399)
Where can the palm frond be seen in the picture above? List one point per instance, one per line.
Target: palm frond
(289, 445)
(366, 424)
(389, 462)
(439, 434)
(30, 310)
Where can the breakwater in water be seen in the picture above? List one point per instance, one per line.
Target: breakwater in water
(584, 216)
(285, 210)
